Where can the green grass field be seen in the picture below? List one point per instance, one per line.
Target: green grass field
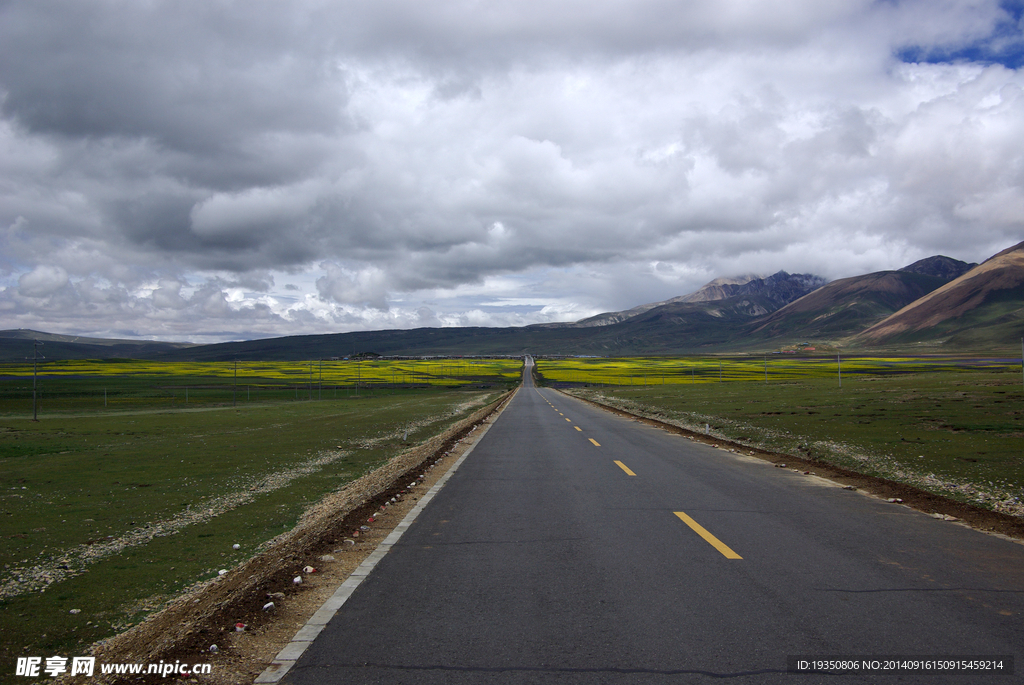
(102, 385)
(950, 426)
(115, 511)
(648, 371)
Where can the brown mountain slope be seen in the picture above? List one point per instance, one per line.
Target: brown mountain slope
(997, 278)
(846, 306)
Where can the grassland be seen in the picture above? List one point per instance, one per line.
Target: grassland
(947, 425)
(113, 511)
(96, 385)
(650, 371)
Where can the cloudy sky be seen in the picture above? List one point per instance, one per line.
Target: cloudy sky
(213, 170)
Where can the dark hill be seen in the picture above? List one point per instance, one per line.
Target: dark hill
(17, 345)
(764, 295)
(915, 304)
(943, 267)
(983, 306)
(847, 306)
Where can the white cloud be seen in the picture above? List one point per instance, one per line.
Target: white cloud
(42, 281)
(213, 170)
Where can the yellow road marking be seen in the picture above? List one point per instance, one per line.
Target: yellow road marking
(578, 428)
(569, 420)
(711, 539)
(595, 442)
(624, 468)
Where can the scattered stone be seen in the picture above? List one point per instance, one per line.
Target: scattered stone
(222, 572)
(75, 611)
(275, 595)
(213, 649)
(297, 580)
(236, 546)
(894, 500)
(326, 557)
(849, 487)
(364, 528)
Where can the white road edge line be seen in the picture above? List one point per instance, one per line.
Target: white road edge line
(287, 657)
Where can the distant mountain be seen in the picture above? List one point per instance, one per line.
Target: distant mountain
(604, 319)
(718, 289)
(763, 294)
(845, 307)
(942, 267)
(17, 344)
(781, 288)
(986, 304)
(932, 302)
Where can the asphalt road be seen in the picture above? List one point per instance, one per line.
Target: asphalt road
(562, 551)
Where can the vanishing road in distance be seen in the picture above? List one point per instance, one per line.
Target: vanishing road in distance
(577, 546)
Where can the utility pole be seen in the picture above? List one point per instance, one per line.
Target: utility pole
(35, 355)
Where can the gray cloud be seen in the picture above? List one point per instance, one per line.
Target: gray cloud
(202, 170)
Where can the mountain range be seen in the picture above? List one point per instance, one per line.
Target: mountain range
(938, 304)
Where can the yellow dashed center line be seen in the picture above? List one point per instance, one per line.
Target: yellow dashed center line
(624, 468)
(711, 539)
(596, 443)
(578, 428)
(569, 420)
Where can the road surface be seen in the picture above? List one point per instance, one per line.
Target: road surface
(577, 546)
